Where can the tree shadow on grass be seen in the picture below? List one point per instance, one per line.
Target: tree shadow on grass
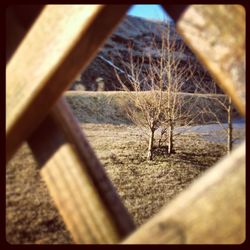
(197, 159)
(200, 157)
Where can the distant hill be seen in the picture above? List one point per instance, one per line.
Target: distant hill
(135, 31)
(109, 107)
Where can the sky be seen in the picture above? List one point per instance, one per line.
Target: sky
(150, 11)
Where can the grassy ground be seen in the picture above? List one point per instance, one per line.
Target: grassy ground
(146, 186)
(143, 186)
(30, 213)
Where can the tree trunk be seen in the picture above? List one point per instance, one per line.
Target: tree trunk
(170, 138)
(230, 127)
(150, 145)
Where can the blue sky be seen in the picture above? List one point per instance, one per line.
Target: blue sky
(150, 11)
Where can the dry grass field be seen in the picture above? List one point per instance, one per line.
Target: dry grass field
(143, 186)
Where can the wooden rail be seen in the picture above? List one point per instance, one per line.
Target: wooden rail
(59, 45)
(62, 41)
(218, 40)
(77, 181)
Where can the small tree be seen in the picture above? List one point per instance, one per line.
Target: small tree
(218, 104)
(226, 105)
(155, 79)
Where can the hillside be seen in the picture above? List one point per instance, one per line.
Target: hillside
(136, 33)
(110, 107)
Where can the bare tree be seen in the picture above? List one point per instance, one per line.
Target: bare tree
(215, 109)
(226, 105)
(230, 127)
(155, 79)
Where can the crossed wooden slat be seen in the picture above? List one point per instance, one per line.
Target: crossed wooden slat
(61, 43)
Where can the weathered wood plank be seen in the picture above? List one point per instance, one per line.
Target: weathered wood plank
(211, 211)
(65, 190)
(19, 18)
(77, 181)
(61, 42)
(217, 35)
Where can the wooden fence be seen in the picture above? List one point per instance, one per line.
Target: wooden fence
(44, 60)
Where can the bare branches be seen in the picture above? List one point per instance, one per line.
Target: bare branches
(155, 77)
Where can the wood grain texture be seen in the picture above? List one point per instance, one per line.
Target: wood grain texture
(59, 45)
(84, 195)
(211, 211)
(217, 35)
(19, 18)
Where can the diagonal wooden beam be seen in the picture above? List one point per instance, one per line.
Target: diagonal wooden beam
(59, 45)
(58, 150)
(19, 19)
(217, 35)
(83, 194)
(211, 211)
(175, 10)
(76, 180)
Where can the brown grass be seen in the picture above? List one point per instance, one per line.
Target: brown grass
(146, 186)
(143, 186)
